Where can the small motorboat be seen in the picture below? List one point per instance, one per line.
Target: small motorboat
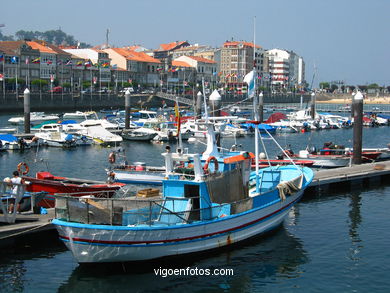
(80, 116)
(35, 118)
(45, 181)
(133, 134)
(280, 162)
(137, 173)
(57, 139)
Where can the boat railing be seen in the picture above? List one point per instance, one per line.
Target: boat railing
(138, 211)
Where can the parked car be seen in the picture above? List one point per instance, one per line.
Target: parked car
(86, 91)
(104, 90)
(127, 88)
(56, 89)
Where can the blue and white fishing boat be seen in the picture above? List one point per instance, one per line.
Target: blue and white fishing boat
(208, 201)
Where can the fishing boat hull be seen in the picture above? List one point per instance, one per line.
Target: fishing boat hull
(103, 243)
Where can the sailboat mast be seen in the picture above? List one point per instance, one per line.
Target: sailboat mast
(256, 115)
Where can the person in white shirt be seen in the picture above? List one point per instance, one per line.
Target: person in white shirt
(15, 180)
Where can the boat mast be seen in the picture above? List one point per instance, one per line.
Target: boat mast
(256, 114)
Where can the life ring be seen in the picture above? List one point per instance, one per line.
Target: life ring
(25, 166)
(206, 166)
(111, 157)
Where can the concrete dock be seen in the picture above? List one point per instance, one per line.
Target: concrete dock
(26, 223)
(372, 174)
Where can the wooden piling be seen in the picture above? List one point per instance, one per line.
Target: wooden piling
(26, 103)
(357, 128)
(127, 109)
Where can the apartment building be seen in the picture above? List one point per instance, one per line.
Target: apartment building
(286, 68)
(95, 64)
(140, 66)
(205, 68)
(237, 58)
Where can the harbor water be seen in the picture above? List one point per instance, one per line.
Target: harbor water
(330, 242)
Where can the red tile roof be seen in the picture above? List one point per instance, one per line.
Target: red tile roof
(170, 46)
(236, 43)
(180, 64)
(136, 56)
(201, 59)
(42, 47)
(10, 47)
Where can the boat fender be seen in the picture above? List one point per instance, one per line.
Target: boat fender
(25, 166)
(206, 166)
(111, 157)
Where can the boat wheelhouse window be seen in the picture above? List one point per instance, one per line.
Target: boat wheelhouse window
(192, 191)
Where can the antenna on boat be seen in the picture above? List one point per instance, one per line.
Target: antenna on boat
(205, 102)
(211, 149)
(177, 114)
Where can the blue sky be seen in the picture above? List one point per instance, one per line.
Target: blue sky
(344, 39)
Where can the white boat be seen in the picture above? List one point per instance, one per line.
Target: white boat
(144, 116)
(35, 118)
(324, 161)
(99, 122)
(167, 131)
(137, 135)
(216, 204)
(101, 135)
(284, 126)
(56, 139)
(78, 115)
(10, 142)
(9, 130)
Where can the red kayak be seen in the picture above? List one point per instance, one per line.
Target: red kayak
(265, 164)
(45, 181)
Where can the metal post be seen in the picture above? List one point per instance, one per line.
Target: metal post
(26, 111)
(198, 105)
(357, 105)
(127, 109)
(215, 105)
(261, 107)
(313, 106)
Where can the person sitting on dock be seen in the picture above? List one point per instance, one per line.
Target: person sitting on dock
(13, 183)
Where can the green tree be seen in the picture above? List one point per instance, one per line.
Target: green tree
(39, 82)
(333, 88)
(373, 86)
(66, 85)
(324, 85)
(86, 84)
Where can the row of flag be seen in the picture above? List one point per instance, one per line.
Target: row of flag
(15, 60)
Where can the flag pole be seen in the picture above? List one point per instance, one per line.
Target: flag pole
(4, 76)
(16, 79)
(256, 116)
(62, 80)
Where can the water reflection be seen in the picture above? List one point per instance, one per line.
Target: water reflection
(14, 260)
(255, 264)
(355, 221)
